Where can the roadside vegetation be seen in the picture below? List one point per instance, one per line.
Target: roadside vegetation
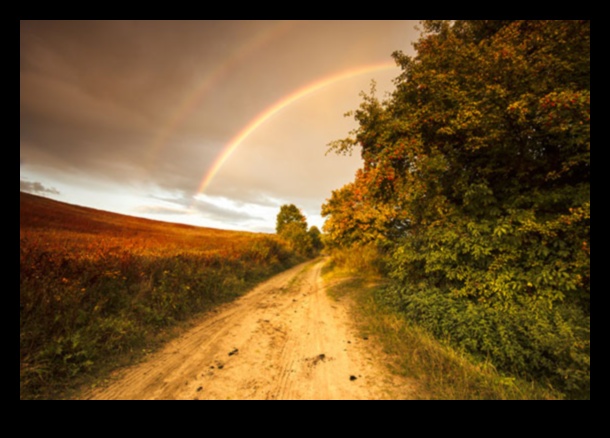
(99, 289)
(440, 370)
(475, 195)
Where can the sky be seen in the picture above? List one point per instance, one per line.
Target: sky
(210, 123)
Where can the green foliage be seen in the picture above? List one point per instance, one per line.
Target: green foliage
(290, 214)
(476, 176)
(361, 258)
(438, 370)
(292, 226)
(515, 259)
(546, 345)
(316, 239)
(298, 238)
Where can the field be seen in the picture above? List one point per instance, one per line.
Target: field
(97, 287)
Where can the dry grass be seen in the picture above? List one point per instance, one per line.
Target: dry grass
(96, 287)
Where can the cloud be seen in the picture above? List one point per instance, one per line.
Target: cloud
(141, 104)
(36, 187)
(210, 211)
(159, 209)
(217, 207)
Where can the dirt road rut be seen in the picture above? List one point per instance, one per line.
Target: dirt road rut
(283, 340)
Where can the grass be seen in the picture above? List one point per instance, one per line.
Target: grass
(98, 290)
(442, 372)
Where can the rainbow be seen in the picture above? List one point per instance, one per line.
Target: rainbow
(195, 98)
(280, 105)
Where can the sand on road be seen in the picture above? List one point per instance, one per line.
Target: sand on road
(285, 339)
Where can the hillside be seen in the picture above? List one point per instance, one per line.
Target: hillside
(97, 288)
(39, 215)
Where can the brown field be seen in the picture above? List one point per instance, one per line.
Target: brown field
(96, 287)
(64, 227)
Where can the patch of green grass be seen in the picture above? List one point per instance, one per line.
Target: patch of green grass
(443, 373)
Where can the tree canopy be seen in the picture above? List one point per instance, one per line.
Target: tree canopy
(290, 214)
(476, 170)
(291, 224)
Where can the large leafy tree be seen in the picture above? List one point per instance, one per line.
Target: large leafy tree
(481, 161)
(479, 166)
(290, 214)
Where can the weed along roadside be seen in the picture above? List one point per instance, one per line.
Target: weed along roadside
(99, 290)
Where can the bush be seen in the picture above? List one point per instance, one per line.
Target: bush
(547, 344)
(476, 173)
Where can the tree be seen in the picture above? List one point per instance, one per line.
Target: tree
(289, 213)
(477, 171)
(352, 217)
(292, 226)
(479, 162)
(316, 239)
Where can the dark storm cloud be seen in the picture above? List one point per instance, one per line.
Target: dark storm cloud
(143, 66)
(36, 187)
(156, 102)
(100, 92)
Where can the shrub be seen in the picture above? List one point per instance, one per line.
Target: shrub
(546, 344)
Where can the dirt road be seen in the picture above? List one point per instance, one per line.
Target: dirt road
(283, 340)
